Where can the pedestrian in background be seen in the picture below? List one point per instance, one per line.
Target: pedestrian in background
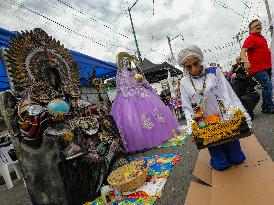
(257, 60)
(244, 87)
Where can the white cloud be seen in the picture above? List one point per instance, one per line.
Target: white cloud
(107, 22)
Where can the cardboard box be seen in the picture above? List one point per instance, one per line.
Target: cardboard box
(251, 183)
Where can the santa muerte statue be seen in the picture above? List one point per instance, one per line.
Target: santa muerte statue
(66, 147)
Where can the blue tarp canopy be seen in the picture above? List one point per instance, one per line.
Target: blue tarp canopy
(85, 64)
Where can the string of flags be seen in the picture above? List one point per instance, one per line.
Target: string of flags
(222, 4)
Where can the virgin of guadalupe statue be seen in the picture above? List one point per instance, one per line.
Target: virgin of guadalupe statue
(143, 120)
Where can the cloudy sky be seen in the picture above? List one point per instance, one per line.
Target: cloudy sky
(101, 28)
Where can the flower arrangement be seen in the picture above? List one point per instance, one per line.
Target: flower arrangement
(217, 132)
(212, 119)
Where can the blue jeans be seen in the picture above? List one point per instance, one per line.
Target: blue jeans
(264, 78)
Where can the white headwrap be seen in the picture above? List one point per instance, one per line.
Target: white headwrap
(190, 51)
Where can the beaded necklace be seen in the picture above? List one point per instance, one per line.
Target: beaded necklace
(201, 92)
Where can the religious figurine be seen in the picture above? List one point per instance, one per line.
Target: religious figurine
(144, 121)
(66, 147)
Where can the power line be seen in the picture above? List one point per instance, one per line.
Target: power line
(61, 25)
(153, 7)
(8, 8)
(68, 28)
(29, 22)
(227, 7)
(55, 22)
(92, 18)
(34, 22)
(78, 19)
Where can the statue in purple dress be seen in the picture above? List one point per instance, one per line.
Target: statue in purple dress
(143, 120)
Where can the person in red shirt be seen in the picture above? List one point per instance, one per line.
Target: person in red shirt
(257, 60)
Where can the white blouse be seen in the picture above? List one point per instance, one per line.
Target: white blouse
(216, 86)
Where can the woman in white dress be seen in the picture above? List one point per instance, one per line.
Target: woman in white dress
(210, 85)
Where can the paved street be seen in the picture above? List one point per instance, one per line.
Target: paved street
(177, 185)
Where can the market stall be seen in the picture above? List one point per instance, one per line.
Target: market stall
(165, 80)
(157, 72)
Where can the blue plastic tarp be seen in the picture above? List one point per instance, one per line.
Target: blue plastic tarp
(85, 64)
(4, 81)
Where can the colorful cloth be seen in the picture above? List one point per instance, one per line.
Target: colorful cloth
(160, 168)
(175, 141)
(144, 121)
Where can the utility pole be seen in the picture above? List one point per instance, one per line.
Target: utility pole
(269, 16)
(133, 31)
(169, 44)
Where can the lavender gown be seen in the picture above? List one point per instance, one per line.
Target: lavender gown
(144, 121)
